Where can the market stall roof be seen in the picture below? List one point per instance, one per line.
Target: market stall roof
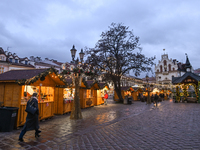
(127, 88)
(103, 85)
(32, 76)
(70, 83)
(91, 83)
(188, 77)
(20, 74)
(138, 89)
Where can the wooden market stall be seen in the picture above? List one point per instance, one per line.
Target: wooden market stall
(189, 82)
(137, 93)
(65, 98)
(101, 92)
(17, 86)
(126, 90)
(93, 94)
(184, 83)
(88, 94)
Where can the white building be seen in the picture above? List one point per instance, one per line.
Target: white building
(168, 68)
(9, 61)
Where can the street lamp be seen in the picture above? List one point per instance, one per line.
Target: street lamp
(81, 55)
(73, 53)
(77, 78)
(148, 90)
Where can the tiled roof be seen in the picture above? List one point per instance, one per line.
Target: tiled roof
(20, 74)
(45, 64)
(21, 64)
(197, 71)
(58, 63)
(22, 59)
(2, 51)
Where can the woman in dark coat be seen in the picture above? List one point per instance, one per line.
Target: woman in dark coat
(32, 121)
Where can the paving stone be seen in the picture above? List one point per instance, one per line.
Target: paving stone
(116, 127)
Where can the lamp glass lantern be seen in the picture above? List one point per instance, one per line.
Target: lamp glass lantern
(81, 55)
(73, 52)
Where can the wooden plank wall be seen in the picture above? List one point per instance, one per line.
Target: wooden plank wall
(58, 101)
(99, 98)
(134, 95)
(12, 95)
(2, 93)
(22, 115)
(56, 95)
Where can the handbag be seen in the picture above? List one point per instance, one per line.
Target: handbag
(30, 108)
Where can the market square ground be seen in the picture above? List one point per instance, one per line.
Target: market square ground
(116, 127)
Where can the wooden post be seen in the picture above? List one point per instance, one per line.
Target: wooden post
(39, 94)
(76, 108)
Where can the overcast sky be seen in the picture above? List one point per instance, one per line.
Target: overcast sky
(49, 28)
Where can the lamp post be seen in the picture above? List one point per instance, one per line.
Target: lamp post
(148, 90)
(77, 77)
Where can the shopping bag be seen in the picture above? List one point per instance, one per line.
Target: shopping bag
(30, 108)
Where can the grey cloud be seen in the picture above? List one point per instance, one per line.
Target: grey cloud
(49, 28)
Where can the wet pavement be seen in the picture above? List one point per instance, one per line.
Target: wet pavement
(116, 127)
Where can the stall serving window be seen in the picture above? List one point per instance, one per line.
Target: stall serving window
(68, 94)
(88, 93)
(45, 93)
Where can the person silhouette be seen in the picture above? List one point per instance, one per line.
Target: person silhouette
(32, 121)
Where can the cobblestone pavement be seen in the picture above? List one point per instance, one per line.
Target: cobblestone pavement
(116, 127)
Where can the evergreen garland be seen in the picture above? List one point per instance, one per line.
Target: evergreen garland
(40, 76)
(177, 94)
(185, 92)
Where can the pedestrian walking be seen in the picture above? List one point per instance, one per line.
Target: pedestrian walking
(105, 97)
(32, 121)
(156, 98)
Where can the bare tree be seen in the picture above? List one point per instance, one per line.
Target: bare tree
(116, 54)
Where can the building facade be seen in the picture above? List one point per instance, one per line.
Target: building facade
(11, 61)
(167, 68)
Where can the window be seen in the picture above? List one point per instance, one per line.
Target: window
(16, 60)
(1, 70)
(157, 70)
(165, 62)
(10, 59)
(159, 77)
(1, 58)
(173, 69)
(26, 62)
(165, 65)
(160, 68)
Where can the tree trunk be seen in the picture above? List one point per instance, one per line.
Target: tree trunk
(118, 90)
(76, 107)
